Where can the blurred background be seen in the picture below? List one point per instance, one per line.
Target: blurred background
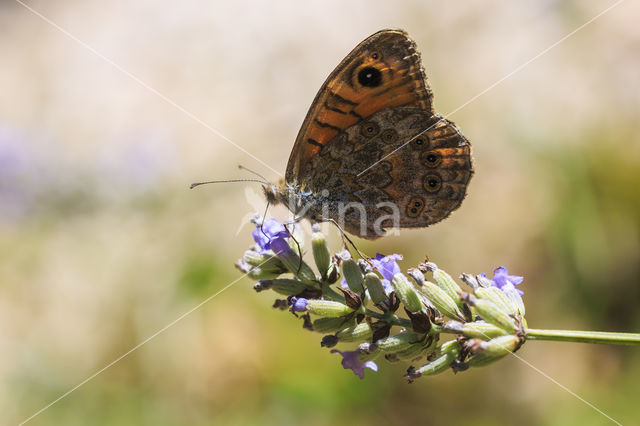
(102, 244)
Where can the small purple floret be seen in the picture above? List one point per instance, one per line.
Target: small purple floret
(279, 245)
(352, 361)
(387, 267)
(504, 281)
(271, 231)
(343, 284)
(300, 305)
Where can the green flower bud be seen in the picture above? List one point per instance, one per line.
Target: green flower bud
(357, 333)
(470, 280)
(516, 300)
(353, 275)
(331, 325)
(477, 329)
(266, 262)
(414, 351)
(328, 308)
(333, 273)
(482, 330)
(259, 274)
(287, 287)
(375, 287)
(406, 293)
(445, 282)
(448, 353)
(491, 313)
(320, 253)
(297, 266)
(418, 277)
(398, 342)
(368, 351)
(493, 350)
(497, 297)
(441, 300)
(502, 345)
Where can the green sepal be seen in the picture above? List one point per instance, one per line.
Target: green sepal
(297, 266)
(375, 287)
(491, 313)
(267, 262)
(356, 333)
(259, 274)
(406, 293)
(493, 350)
(321, 254)
(328, 308)
(331, 325)
(398, 342)
(483, 330)
(441, 300)
(353, 275)
(448, 352)
(445, 282)
(497, 297)
(287, 286)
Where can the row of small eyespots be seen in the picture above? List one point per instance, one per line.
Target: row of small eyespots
(431, 183)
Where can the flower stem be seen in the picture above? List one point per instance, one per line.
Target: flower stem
(584, 336)
(390, 318)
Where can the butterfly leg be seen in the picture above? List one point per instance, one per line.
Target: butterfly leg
(345, 238)
(264, 217)
(294, 221)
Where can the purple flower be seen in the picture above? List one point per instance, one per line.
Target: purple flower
(351, 361)
(272, 231)
(280, 246)
(504, 281)
(387, 267)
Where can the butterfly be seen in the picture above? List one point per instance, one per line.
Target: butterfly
(372, 153)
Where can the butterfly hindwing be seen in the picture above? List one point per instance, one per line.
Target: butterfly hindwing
(402, 163)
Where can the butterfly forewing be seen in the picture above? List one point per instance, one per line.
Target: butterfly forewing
(381, 72)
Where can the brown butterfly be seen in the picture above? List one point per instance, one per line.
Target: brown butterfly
(372, 154)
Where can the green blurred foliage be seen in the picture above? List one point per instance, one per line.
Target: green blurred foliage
(103, 248)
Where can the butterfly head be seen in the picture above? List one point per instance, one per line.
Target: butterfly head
(298, 200)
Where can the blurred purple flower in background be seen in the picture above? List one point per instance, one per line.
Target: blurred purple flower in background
(15, 196)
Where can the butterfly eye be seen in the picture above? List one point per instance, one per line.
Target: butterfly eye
(369, 129)
(370, 77)
(431, 159)
(389, 135)
(432, 183)
(415, 206)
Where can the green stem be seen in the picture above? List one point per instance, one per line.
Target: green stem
(584, 336)
(330, 293)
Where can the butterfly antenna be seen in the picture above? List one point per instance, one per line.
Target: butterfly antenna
(241, 167)
(193, 185)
